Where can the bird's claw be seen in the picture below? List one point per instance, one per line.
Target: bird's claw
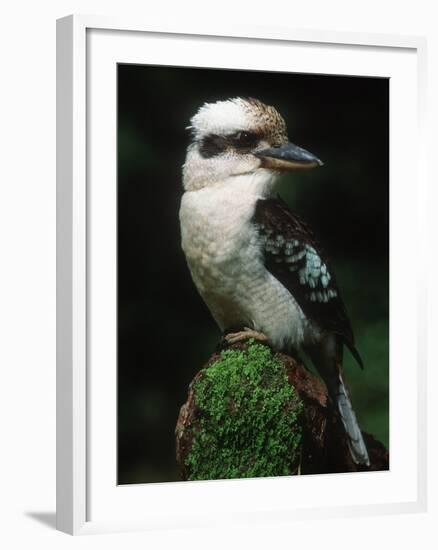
(245, 334)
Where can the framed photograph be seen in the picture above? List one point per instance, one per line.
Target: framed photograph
(239, 334)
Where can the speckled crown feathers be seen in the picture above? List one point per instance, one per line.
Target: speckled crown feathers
(237, 114)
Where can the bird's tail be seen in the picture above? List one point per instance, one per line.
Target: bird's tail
(327, 359)
(356, 442)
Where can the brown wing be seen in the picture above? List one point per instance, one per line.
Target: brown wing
(295, 258)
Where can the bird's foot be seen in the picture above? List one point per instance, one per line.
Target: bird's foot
(245, 334)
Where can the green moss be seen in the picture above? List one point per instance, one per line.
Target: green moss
(248, 418)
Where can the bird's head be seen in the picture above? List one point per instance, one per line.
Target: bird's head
(241, 137)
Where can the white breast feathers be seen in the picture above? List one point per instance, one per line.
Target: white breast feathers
(225, 257)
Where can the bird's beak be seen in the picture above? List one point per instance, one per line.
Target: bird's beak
(288, 157)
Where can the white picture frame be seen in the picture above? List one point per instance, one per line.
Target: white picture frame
(85, 501)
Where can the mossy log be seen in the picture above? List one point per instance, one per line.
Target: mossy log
(251, 412)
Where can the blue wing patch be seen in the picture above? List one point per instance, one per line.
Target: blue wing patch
(302, 259)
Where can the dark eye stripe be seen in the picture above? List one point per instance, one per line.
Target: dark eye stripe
(213, 145)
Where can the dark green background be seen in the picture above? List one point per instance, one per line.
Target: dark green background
(165, 332)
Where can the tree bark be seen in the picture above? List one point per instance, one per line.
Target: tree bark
(323, 444)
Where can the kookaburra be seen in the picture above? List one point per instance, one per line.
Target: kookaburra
(257, 266)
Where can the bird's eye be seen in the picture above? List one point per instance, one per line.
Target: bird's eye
(244, 139)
